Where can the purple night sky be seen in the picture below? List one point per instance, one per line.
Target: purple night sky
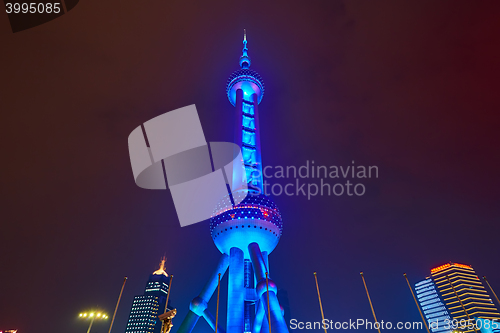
(408, 86)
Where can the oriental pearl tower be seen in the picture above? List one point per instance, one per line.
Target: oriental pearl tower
(245, 233)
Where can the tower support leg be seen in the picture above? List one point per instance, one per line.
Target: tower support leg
(189, 322)
(265, 324)
(259, 317)
(211, 321)
(266, 261)
(278, 324)
(199, 304)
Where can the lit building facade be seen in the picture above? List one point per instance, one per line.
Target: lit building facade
(146, 308)
(432, 306)
(245, 233)
(453, 293)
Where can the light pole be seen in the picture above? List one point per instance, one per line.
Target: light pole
(93, 315)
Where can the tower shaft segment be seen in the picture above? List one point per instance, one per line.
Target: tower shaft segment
(247, 136)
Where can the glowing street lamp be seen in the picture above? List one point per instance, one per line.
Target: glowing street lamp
(93, 315)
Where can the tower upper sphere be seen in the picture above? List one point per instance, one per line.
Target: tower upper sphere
(246, 79)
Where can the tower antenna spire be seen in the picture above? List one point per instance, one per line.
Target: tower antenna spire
(245, 59)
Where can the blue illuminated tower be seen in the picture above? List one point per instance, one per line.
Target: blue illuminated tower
(245, 233)
(453, 293)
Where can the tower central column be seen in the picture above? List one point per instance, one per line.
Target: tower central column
(236, 292)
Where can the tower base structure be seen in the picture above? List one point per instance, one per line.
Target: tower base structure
(263, 296)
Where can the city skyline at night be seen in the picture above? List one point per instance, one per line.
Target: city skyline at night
(407, 90)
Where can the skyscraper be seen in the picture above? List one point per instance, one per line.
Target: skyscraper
(453, 293)
(146, 308)
(432, 306)
(245, 233)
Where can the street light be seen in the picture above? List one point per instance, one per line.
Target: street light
(93, 315)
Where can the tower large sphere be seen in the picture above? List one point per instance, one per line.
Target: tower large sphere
(255, 219)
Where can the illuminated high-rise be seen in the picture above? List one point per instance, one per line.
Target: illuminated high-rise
(245, 233)
(146, 308)
(453, 293)
(432, 306)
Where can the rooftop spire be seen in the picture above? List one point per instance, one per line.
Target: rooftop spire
(161, 270)
(245, 59)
